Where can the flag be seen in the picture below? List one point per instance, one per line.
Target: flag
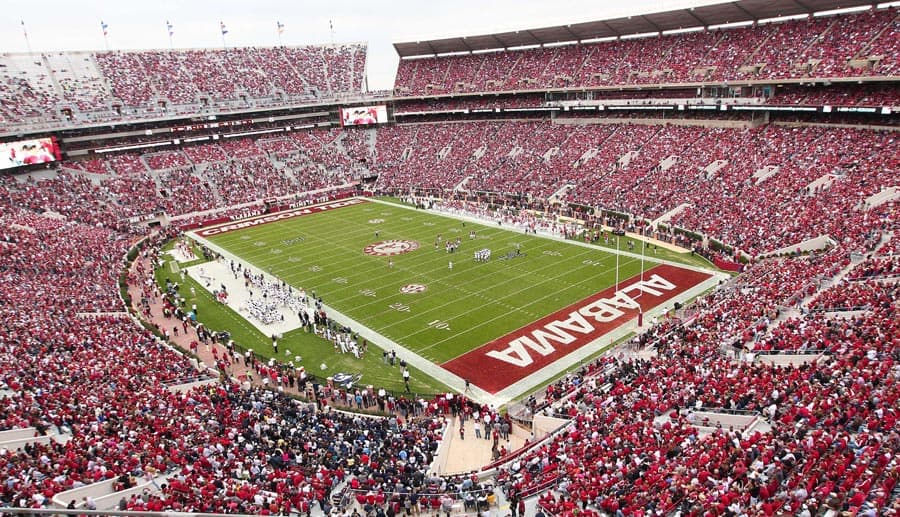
(104, 26)
(280, 27)
(224, 30)
(24, 30)
(330, 25)
(170, 27)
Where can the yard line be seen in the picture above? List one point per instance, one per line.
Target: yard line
(480, 291)
(335, 301)
(310, 229)
(268, 231)
(377, 264)
(443, 281)
(327, 243)
(551, 293)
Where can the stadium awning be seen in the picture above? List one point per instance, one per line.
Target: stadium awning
(701, 16)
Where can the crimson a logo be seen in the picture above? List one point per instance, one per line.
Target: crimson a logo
(390, 248)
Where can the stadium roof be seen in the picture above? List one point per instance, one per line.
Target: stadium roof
(701, 16)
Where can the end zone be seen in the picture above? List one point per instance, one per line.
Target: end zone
(277, 216)
(509, 359)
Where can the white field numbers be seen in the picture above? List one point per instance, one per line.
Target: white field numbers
(439, 324)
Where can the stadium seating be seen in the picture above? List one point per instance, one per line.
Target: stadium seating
(67, 88)
(633, 463)
(848, 45)
(824, 433)
(642, 170)
(877, 267)
(638, 461)
(857, 95)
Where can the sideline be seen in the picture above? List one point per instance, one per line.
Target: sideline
(455, 382)
(548, 235)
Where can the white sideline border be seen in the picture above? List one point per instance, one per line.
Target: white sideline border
(523, 386)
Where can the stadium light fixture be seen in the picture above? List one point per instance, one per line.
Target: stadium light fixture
(682, 31)
(779, 18)
(640, 35)
(844, 10)
(731, 25)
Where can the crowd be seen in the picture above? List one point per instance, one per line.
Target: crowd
(716, 174)
(877, 267)
(74, 364)
(65, 88)
(104, 86)
(855, 296)
(828, 46)
(631, 448)
(194, 179)
(858, 95)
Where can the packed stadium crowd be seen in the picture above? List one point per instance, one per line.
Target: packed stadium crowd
(76, 365)
(33, 261)
(633, 449)
(756, 189)
(123, 186)
(647, 467)
(67, 88)
(105, 86)
(813, 47)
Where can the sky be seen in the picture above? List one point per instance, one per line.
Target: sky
(134, 24)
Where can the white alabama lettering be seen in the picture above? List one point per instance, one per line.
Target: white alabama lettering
(600, 311)
(651, 286)
(603, 310)
(622, 301)
(276, 217)
(575, 322)
(516, 354)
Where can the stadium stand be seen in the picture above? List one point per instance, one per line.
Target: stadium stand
(669, 477)
(642, 170)
(849, 45)
(859, 95)
(637, 439)
(70, 88)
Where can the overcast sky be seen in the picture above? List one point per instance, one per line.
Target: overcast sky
(141, 24)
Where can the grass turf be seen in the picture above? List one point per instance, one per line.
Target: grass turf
(314, 350)
(462, 308)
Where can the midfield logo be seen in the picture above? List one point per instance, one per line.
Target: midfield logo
(389, 248)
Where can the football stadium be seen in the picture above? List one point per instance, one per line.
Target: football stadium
(633, 266)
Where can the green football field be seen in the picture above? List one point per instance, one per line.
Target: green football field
(460, 308)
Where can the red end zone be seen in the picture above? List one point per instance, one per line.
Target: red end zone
(277, 216)
(522, 352)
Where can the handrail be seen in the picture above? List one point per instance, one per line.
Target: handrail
(727, 411)
(792, 352)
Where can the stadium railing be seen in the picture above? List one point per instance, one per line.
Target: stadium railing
(111, 513)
